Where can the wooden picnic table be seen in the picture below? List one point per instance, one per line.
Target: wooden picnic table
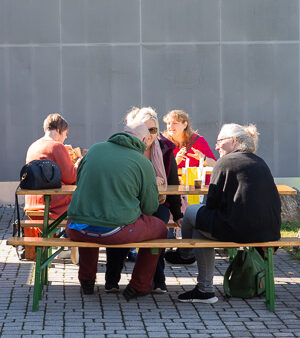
(50, 228)
(45, 256)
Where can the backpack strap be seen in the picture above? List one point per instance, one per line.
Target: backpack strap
(18, 211)
(191, 144)
(226, 279)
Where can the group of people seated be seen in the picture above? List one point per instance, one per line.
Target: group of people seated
(116, 200)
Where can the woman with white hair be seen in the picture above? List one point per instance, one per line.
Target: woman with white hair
(159, 150)
(243, 206)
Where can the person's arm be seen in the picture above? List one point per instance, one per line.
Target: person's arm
(148, 192)
(216, 186)
(180, 156)
(201, 149)
(210, 162)
(174, 201)
(62, 158)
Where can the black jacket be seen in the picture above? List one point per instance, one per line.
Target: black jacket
(173, 202)
(243, 203)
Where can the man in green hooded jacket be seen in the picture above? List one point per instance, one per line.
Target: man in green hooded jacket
(116, 202)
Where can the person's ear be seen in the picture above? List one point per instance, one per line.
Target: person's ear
(185, 124)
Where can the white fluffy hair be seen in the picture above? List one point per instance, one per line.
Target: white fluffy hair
(246, 136)
(138, 129)
(141, 115)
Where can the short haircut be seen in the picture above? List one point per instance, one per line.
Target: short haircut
(139, 130)
(55, 122)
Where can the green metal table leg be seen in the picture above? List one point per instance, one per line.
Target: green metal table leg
(154, 251)
(270, 288)
(47, 199)
(44, 271)
(37, 293)
(46, 253)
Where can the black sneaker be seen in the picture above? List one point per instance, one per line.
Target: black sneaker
(112, 288)
(173, 257)
(160, 287)
(130, 293)
(196, 296)
(87, 286)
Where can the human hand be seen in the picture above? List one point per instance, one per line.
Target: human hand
(197, 154)
(181, 155)
(76, 164)
(68, 147)
(159, 180)
(179, 222)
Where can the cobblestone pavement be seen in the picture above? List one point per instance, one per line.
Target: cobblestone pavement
(65, 312)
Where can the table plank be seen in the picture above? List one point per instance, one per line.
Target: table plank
(286, 190)
(170, 190)
(182, 190)
(64, 190)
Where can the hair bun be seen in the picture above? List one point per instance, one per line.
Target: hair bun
(251, 130)
(130, 117)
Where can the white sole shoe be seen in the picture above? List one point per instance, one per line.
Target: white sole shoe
(212, 300)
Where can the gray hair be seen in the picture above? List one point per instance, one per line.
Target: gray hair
(246, 136)
(139, 130)
(142, 115)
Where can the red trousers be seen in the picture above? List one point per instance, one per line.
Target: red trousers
(143, 229)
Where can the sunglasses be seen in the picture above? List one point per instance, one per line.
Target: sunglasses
(153, 130)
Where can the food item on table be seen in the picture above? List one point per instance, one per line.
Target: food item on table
(75, 153)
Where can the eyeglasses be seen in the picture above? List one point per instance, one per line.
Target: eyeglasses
(222, 139)
(153, 130)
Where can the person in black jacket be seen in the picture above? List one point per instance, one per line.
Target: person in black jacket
(159, 151)
(243, 206)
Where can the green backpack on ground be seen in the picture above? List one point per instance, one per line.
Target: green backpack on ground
(245, 276)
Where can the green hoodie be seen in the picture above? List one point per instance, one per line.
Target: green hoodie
(115, 184)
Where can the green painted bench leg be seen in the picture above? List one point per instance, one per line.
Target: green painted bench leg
(37, 293)
(270, 288)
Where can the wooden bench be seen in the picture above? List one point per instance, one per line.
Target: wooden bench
(42, 260)
(39, 223)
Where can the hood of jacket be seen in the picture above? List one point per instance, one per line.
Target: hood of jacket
(128, 141)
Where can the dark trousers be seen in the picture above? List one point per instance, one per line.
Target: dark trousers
(143, 229)
(115, 257)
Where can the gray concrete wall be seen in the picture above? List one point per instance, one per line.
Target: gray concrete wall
(220, 60)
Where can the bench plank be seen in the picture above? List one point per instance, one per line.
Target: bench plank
(35, 213)
(39, 223)
(156, 243)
